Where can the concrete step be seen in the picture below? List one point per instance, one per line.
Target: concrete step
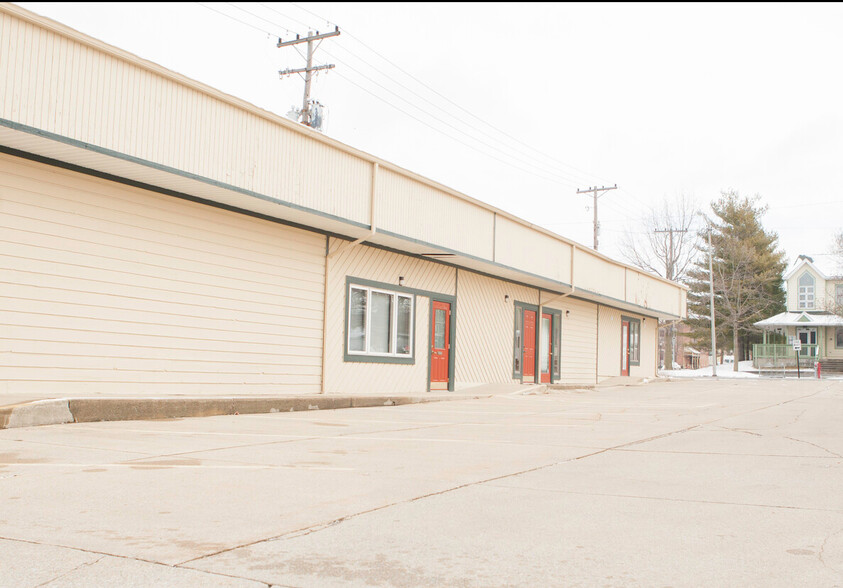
(55, 411)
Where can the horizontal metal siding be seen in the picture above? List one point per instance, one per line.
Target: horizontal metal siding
(521, 247)
(377, 265)
(64, 87)
(110, 288)
(647, 363)
(595, 274)
(579, 341)
(649, 293)
(485, 324)
(608, 342)
(408, 207)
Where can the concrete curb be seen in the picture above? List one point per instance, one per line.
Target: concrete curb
(86, 410)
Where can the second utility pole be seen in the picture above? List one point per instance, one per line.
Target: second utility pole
(595, 190)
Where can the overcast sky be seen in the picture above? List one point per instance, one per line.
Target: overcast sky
(532, 101)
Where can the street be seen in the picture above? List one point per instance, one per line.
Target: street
(698, 482)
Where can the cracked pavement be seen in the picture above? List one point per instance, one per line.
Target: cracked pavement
(682, 483)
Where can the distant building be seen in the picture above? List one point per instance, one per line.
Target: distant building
(814, 302)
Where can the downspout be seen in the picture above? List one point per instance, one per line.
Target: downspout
(329, 254)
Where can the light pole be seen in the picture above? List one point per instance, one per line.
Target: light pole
(711, 296)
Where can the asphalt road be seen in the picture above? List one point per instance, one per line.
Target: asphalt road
(731, 483)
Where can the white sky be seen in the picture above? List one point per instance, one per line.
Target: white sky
(660, 99)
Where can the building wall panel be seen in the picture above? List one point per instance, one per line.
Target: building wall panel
(649, 351)
(578, 363)
(377, 265)
(106, 285)
(595, 274)
(411, 208)
(608, 342)
(112, 103)
(485, 323)
(520, 247)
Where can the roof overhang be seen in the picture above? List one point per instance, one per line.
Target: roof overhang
(82, 157)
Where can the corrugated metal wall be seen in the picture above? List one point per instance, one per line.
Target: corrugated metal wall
(374, 264)
(579, 341)
(517, 246)
(85, 90)
(408, 207)
(65, 87)
(649, 336)
(593, 273)
(485, 327)
(608, 342)
(107, 287)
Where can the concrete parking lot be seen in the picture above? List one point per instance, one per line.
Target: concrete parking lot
(730, 483)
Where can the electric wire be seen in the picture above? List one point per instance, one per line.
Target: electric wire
(572, 181)
(420, 82)
(558, 179)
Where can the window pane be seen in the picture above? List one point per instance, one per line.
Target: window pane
(557, 345)
(405, 313)
(544, 346)
(357, 320)
(519, 317)
(839, 334)
(634, 340)
(381, 323)
(439, 329)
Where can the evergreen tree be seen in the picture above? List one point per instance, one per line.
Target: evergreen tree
(747, 268)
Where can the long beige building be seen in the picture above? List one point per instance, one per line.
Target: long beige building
(160, 236)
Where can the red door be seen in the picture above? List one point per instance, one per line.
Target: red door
(440, 337)
(625, 348)
(545, 349)
(529, 354)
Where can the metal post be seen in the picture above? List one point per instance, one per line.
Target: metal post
(798, 372)
(711, 293)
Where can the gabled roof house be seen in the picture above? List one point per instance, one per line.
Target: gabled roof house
(812, 316)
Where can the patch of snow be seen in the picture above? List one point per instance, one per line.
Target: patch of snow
(723, 371)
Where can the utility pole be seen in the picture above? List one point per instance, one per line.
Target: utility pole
(711, 293)
(669, 269)
(595, 190)
(310, 39)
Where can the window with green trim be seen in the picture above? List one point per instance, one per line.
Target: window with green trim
(380, 322)
(634, 341)
(838, 338)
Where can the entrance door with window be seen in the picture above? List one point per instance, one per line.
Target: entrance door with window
(625, 348)
(545, 347)
(807, 337)
(529, 353)
(440, 348)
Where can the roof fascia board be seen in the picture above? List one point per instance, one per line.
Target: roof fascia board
(133, 59)
(799, 266)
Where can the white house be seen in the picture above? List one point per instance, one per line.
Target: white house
(814, 301)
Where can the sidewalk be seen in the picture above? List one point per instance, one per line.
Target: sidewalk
(21, 410)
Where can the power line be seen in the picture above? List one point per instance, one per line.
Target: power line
(558, 177)
(564, 178)
(399, 68)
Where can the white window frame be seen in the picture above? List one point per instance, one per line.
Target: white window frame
(806, 299)
(838, 295)
(393, 353)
